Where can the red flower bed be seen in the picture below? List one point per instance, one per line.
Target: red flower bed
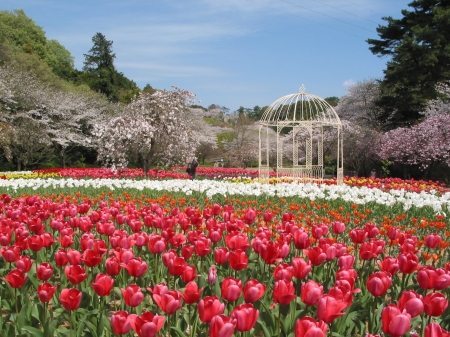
(80, 173)
(161, 265)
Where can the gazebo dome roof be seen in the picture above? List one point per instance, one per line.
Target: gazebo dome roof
(298, 108)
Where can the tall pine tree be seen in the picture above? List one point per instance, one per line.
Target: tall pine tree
(419, 47)
(99, 67)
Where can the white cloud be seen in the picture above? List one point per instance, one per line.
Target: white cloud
(349, 82)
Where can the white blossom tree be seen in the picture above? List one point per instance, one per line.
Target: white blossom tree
(64, 117)
(358, 105)
(153, 129)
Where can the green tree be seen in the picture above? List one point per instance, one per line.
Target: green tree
(333, 100)
(19, 34)
(99, 67)
(419, 47)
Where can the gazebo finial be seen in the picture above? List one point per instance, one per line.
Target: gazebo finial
(302, 89)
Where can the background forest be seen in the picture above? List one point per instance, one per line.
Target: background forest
(53, 115)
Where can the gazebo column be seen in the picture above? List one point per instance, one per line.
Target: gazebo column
(320, 154)
(279, 150)
(294, 147)
(308, 147)
(340, 158)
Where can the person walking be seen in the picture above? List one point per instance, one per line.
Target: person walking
(192, 168)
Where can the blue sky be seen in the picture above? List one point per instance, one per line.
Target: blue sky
(228, 52)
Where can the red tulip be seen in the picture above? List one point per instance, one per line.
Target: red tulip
(221, 326)
(389, 264)
(212, 274)
(268, 216)
(132, 295)
(395, 322)
(301, 239)
(156, 244)
(370, 250)
(435, 304)
(191, 293)
(35, 243)
(338, 227)
(44, 271)
(187, 251)
(283, 292)
(427, 277)
(45, 292)
(311, 292)
(91, 258)
(236, 241)
(328, 308)
(270, 252)
(371, 229)
(346, 261)
(301, 268)
(177, 266)
(435, 330)
(231, 289)
(283, 271)
(393, 233)
(432, 240)
(74, 257)
(119, 323)
(146, 325)
(189, 274)
(408, 262)
(412, 302)
(253, 290)
(308, 327)
(61, 258)
(169, 302)
(11, 254)
(136, 267)
(24, 263)
(75, 274)
(208, 307)
(103, 285)
(316, 256)
(378, 283)
(70, 298)
(112, 265)
(358, 235)
(16, 278)
(202, 246)
(245, 316)
(443, 279)
(221, 255)
(238, 260)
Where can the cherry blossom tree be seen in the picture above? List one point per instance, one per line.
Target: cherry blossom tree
(359, 106)
(64, 117)
(424, 144)
(153, 129)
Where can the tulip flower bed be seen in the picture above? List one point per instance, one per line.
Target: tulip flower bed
(112, 257)
(104, 173)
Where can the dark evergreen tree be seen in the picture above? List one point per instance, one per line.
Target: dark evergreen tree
(418, 45)
(99, 67)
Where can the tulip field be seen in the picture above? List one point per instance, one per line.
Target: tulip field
(100, 253)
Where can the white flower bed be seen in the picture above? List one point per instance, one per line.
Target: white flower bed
(358, 195)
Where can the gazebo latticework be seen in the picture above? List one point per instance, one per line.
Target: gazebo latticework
(299, 115)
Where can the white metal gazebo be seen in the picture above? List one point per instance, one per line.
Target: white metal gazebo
(298, 117)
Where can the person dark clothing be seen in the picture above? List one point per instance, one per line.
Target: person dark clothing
(192, 168)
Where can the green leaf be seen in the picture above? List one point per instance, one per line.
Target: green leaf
(178, 331)
(33, 331)
(262, 327)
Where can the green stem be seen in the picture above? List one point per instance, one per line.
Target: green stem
(374, 308)
(70, 324)
(15, 300)
(279, 320)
